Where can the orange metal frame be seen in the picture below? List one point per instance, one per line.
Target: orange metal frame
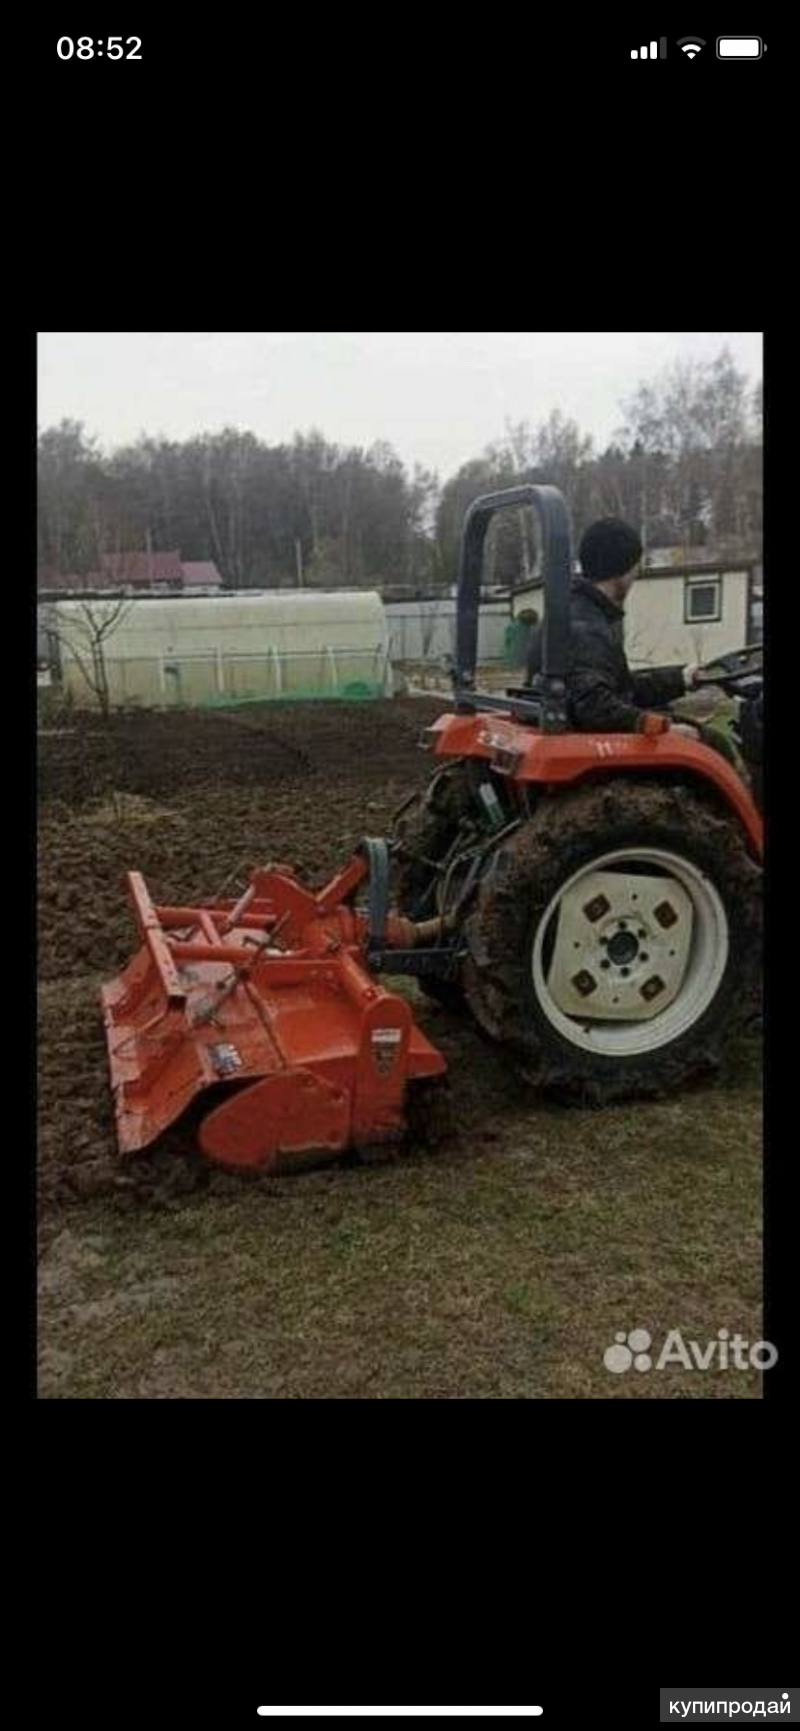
(271, 991)
(524, 754)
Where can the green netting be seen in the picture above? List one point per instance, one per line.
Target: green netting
(351, 691)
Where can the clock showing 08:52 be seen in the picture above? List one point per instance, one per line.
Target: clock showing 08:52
(100, 48)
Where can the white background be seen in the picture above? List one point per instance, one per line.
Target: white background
(399, 1712)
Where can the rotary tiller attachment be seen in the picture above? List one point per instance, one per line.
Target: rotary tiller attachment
(266, 1003)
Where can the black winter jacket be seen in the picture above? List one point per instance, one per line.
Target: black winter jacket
(603, 695)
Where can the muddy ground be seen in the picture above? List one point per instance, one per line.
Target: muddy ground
(500, 1267)
(193, 801)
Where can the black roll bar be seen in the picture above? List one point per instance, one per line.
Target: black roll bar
(551, 509)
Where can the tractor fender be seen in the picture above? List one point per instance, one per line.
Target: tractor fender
(525, 755)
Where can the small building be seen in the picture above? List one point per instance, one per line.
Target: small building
(680, 613)
(200, 577)
(141, 572)
(227, 649)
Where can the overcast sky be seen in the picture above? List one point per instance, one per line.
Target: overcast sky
(438, 396)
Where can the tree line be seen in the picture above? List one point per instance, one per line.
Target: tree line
(685, 467)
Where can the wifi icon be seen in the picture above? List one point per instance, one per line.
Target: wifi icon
(691, 45)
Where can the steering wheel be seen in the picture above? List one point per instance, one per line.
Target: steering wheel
(741, 673)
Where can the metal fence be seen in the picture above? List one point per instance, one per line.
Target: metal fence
(424, 631)
(223, 679)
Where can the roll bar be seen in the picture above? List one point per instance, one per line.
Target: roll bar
(548, 700)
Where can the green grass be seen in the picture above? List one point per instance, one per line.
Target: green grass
(500, 1268)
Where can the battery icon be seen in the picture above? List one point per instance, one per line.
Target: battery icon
(739, 47)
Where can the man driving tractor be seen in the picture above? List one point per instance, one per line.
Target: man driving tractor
(604, 696)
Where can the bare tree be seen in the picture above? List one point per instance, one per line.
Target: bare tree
(84, 635)
(693, 432)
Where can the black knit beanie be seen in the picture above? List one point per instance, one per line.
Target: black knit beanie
(609, 548)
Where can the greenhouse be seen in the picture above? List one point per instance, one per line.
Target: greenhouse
(225, 649)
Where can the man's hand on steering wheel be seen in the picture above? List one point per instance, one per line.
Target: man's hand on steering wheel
(739, 673)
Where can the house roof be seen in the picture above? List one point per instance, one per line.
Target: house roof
(143, 567)
(717, 569)
(137, 570)
(200, 571)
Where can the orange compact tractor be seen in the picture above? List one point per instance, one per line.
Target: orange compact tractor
(593, 900)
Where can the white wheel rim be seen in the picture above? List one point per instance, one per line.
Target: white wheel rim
(695, 978)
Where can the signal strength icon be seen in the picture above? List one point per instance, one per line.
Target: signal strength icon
(690, 45)
(655, 51)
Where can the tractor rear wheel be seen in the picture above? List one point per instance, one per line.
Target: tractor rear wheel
(615, 942)
(424, 831)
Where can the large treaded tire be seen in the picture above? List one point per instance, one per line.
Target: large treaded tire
(425, 831)
(567, 833)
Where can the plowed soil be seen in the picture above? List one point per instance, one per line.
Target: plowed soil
(191, 800)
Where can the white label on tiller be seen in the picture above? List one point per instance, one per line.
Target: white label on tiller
(384, 1047)
(225, 1059)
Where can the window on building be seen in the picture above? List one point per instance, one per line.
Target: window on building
(702, 603)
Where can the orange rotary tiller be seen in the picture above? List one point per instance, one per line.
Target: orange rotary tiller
(269, 1006)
